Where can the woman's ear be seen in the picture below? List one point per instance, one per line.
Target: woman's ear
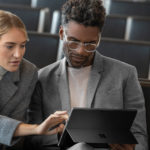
(61, 32)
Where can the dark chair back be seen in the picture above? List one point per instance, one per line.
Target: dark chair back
(53, 5)
(33, 18)
(132, 52)
(140, 29)
(115, 26)
(16, 2)
(42, 48)
(130, 8)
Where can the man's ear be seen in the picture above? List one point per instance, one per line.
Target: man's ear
(61, 32)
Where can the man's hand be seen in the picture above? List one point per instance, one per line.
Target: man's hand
(122, 146)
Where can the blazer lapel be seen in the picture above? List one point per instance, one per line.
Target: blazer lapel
(8, 87)
(95, 76)
(63, 86)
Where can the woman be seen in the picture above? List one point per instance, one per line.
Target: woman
(17, 80)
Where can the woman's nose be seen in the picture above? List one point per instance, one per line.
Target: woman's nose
(17, 53)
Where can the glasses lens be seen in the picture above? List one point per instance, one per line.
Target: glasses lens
(73, 45)
(90, 47)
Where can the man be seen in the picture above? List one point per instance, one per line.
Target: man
(85, 78)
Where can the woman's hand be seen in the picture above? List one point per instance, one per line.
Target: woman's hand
(56, 119)
(46, 127)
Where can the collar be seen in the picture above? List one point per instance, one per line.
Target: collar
(96, 66)
(2, 72)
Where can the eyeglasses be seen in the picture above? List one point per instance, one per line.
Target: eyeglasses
(75, 45)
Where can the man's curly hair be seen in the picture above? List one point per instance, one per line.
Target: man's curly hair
(85, 12)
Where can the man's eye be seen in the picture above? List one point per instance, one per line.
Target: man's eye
(91, 43)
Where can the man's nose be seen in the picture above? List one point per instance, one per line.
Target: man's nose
(81, 48)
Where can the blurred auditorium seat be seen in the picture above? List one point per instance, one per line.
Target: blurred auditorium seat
(114, 26)
(129, 8)
(54, 6)
(139, 29)
(34, 18)
(16, 2)
(132, 52)
(42, 48)
(51, 4)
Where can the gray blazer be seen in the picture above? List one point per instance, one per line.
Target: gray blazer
(15, 91)
(112, 84)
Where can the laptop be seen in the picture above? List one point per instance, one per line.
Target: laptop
(98, 127)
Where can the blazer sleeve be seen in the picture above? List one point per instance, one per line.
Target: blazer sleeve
(9, 125)
(7, 129)
(133, 98)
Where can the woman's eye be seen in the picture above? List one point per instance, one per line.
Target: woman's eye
(9, 46)
(23, 46)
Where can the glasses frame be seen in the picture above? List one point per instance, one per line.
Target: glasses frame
(81, 44)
